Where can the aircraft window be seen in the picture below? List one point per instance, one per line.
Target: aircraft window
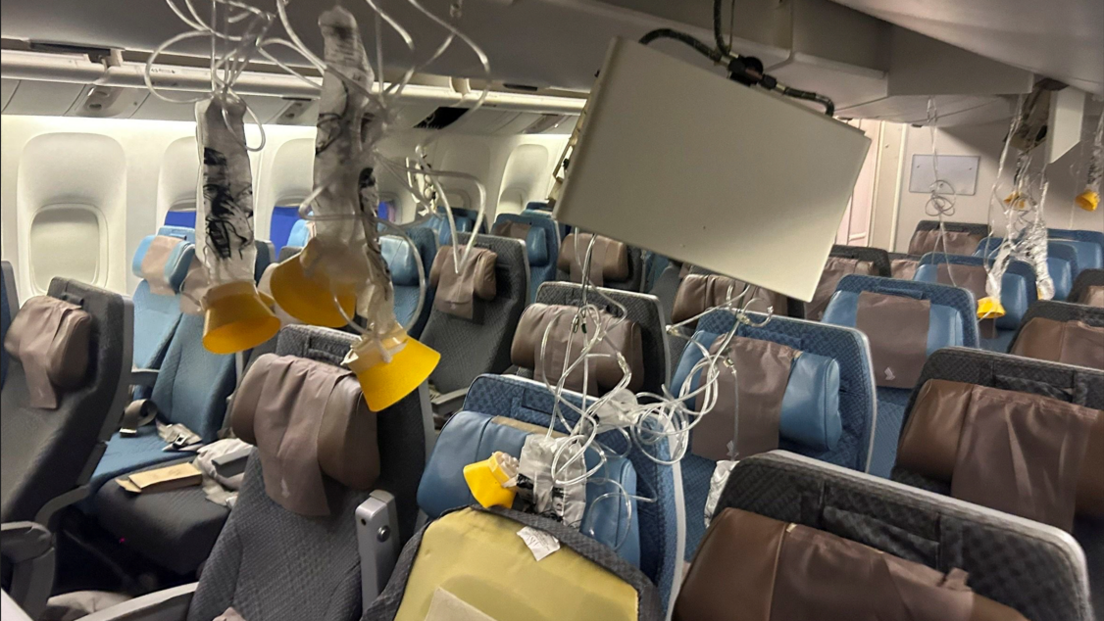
(512, 201)
(67, 241)
(525, 178)
(457, 199)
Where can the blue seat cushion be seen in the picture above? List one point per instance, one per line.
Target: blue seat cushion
(1090, 255)
(176, 267)
(891, 417)
(810, 414)
(469, 437)
(945, 327)
(125, 455)
(1015, 295)
(401, 260)
(298, 235)
(155, 320)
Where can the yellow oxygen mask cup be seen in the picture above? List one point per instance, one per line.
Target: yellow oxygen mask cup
(990, 308)
(310, 285)
(390, 367)
(1087, 200)
(236, 318)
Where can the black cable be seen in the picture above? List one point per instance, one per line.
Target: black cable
(700, 46)
(829, 105)
(723, 47)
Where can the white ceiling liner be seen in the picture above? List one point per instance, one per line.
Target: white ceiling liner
(1059, 38)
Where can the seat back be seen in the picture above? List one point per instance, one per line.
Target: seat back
(1088, 244)
(803, 427)
(266, 255)
(1035, 569)
(1088, 288)
(1061, 262)
(642, 308)
(530, 402)
(438, 223)
(960, 237)
(542, 210)
(542, 244)
(470, 348)
(270, 563)
(402, 260)
(156, 314)
(1050, 332)
(843, 260)
(631, 280)
(951, 322)
(9, 306)
(1018, 290)
(902, 265)
(654, 265)
(1079, 386)
(47, 453)
(299, 235)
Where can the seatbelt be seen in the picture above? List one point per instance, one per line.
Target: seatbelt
(137, 414)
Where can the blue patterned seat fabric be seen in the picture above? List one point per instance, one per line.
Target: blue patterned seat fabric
(438, 222)
(1061, 262)
(1018, 292)
(953, 324)
(542, 210)
(1088, 244)
(856, 401)
(405, 278)
(156, 316)
(528, 401)
(542, 245)
(299, 235)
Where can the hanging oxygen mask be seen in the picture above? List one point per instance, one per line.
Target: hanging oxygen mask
(1089, 200)
(341, 272)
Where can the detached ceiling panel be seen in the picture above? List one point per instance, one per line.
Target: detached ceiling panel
(43, 98)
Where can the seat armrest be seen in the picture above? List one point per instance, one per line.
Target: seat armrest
(377, 523)
(447, 404)
(28, 548)
(167, 605)
(143, 377)
(232, 464)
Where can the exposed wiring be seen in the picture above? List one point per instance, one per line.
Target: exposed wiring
(942, 195)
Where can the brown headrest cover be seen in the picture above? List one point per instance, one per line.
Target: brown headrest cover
(754, 568)
(957, 242)
(1093, 295)
(153, 264)
(509, 228)
(605, 373)
(1069, 342)
(904, 269)
(934, 442)
(834, 271)
(457, 290)
(699, 292)
(897, 328)
(51, 338)
(307, 418)
(610, 260)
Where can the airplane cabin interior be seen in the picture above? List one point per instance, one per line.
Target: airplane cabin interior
(552, 310)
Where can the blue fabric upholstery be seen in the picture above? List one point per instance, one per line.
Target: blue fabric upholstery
(284, 219)
(1061, 262)
(125, 455)
(401, 260)
(859, 420)
(266, 255)
(542, 245)
(654, 264)
(469, 437)
(438, 222)
(528, 401)
(183, 219)
(183, 232)
(542, 210)
(298, 235)
(7, 312)
(952, 323)
(1088, 244)
(404, 274)
(176, 268)
(191, 389)
(156, 316)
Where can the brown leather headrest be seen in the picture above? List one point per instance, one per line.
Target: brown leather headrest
(457, 289)
(957, 242)
(610, 260)
(157, 256)
(605, 373)
(307, 418)
(699, 292)
(769, 570)
(1069, 342)
(51, 338)
(509, 228)
(904, 269)
(1093, 295)
(942, 436)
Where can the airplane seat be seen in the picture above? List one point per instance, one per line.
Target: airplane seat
(1034, 569)
(528, 401)
(1088, 244)
(642, 338)
(402, 261)
(902, 265)
(157, 297)
(615, 265)
(542, 243)
(1062, 332)
(1061, 262)
(9, 306)
(1018, 291)
(974, 431)
(654, 264)
(905, 321)
(304, 555)
(78, 341)
(825, 407)
(288, 252)
(266, 255)
(1088, 289)
(843, 260)
(438, 223)
(299, 235)
(472, 333)
(960, 238)
(665, 290)
(542, 210)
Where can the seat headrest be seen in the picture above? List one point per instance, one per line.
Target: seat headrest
(457, 289)
(623, 337)
(810, 416)
(954, 242)
(535, 238)
(1025, 454)
(307, 419)
(970, 275)
(904, 268)
(1069, 342)
(51, 338)
(700, 292)
(609, 262)
(401, 259)
(300, 234)
(163, 262)
(183, 232)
